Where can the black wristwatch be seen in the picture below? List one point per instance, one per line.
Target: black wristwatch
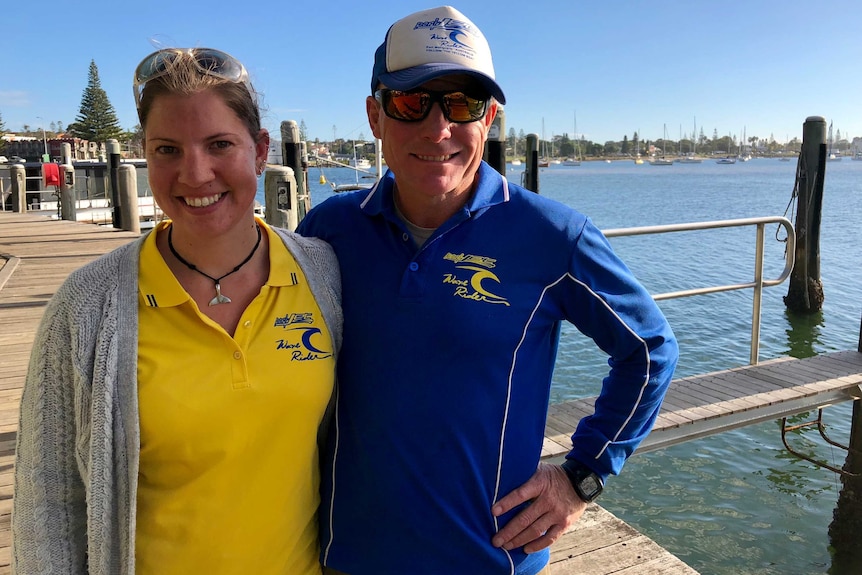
(587, 484)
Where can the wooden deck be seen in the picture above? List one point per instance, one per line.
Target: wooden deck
(706, 404)
(36, 254)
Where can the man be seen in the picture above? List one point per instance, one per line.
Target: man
(455, 282)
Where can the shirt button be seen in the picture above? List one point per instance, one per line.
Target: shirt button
(237, 355)
(405, 237)
(414, 266)
(246, 324)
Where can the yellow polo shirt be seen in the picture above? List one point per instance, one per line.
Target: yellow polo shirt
(229, 476)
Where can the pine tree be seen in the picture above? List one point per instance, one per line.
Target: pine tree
(97, 121)
(2, 132)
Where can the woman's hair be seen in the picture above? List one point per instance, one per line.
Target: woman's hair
(184, 76)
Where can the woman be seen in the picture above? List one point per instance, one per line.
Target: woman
(170, 414)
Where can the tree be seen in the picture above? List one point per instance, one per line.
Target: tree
(566, 147)
(135, 140)
(97, 121)
(303, 131)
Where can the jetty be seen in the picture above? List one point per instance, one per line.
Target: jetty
(36, 255)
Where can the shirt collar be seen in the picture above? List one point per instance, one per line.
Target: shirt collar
(159, 288)
(492, 189)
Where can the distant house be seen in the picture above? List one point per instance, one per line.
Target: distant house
(31, 149)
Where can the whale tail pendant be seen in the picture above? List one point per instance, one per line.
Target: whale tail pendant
(219, 298)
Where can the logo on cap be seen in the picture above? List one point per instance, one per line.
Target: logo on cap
(449, 35)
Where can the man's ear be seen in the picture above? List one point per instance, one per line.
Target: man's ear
(372, 109)
(490, 115)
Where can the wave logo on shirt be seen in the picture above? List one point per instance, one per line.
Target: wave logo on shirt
(473, 278)
(303, 341)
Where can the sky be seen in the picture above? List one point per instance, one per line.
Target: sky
(757, 67)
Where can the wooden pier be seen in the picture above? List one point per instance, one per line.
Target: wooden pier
(36, 254)
(706, 404)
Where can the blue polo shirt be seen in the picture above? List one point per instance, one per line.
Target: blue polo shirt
(445, 371)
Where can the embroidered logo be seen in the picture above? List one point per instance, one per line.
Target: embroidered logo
(300, 340)
(448, 35)
(472, 277)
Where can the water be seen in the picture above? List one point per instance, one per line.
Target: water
(736, 502)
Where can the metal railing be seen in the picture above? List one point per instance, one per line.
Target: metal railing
(758, 282)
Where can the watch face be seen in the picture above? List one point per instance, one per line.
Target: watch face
(591, 487)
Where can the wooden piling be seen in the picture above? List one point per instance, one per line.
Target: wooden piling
(293, 158)
(847, 516)
(18, 175)
(113, 147)
(280, 197)
(66, 194)
(531, 169)
(127, 182)
(805, 293)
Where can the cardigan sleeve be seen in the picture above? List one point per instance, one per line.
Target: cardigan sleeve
(49, 515)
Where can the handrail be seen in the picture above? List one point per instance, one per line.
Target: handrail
(757, 284)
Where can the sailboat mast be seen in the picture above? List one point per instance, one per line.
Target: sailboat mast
(694, 138)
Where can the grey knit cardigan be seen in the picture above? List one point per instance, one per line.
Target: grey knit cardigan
(76, 469)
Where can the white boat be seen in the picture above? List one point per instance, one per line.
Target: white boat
(338, 188)
(544, 161)
(575, 160)
(727, 160)
(357, 164)
(832, 156)
(662, 161)
(516, 162)
(690, 157)
(743, 155)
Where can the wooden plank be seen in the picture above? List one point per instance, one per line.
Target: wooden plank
(601, 543)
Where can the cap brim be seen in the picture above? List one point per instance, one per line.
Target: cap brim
(414, 77)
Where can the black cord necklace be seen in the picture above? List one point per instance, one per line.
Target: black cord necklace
(219, 298)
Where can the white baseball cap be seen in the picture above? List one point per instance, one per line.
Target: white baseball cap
(430, 44)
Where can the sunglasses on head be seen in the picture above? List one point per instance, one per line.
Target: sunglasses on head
(210, 62)
(415, 105)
